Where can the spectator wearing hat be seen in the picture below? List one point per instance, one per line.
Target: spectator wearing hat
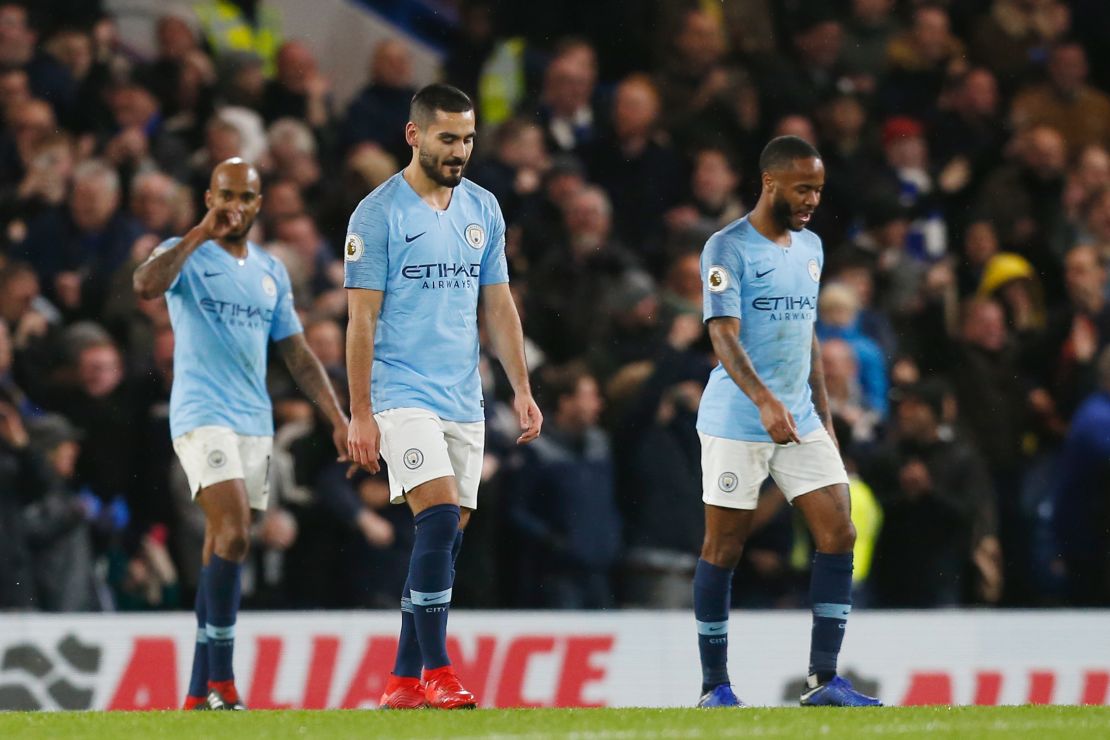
(59, 525)
(938, 509)
(23, 479)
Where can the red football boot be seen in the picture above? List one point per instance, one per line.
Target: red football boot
(403, 692)
(195, 702)
(443, 690)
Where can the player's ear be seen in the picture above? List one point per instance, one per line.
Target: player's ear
(768, 181)
(412, 134)
(208, 199)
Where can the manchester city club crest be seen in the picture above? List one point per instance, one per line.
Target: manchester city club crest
(352, 249)
(728, 482)
(717, 277)
(815, 271)
(269, 287)
(414, 458)
(475, 236)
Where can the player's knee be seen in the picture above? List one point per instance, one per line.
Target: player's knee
(232, 542)
(722, 552)
(839, 539)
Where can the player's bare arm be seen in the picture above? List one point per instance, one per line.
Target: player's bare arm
(503, 323)
(817, 385)
(155, 276)
(312, 379)
(363, 436)
(724, 331)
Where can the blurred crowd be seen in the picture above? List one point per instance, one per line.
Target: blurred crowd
(964, 314)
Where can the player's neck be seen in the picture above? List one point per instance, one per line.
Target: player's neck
(431, 192)
(237, 248)
(763, 221)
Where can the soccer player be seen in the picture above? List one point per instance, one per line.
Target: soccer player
(765, 409)
(421, 249)
(227, 300)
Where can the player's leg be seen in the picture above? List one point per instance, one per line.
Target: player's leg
(732, 472)
(197, 698)
(227, 519)
(812, 476)
(436, 515)
(421, 474)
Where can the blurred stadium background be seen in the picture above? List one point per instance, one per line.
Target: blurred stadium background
(965, 319)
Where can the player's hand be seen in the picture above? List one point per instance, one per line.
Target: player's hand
(364, 442)
(219, 222)
(531, 420)
(778, 421)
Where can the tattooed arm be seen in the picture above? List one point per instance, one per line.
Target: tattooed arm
(313, 381)
(724, 331)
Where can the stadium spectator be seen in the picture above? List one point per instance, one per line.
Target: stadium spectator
(1013, 33)
(938, 507)
(838, 318)
(76, 249)
(379, 112)
(562, 502)
(639, 170)
(708, 99)
(1077, 332)
(568, 109)
(919, 60)
(243, 27)
(23, 478)
(154, 203)
(514, 171)
(565, 317)
(57, 524)
(48, 78)
(846, 399)
(714, 199)
(798, 81)
(299, 90)
(1081, 512)
(1066, 102)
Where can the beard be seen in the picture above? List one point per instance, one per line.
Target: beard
(435, 173)
(783, 214)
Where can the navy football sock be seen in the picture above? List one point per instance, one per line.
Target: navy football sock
(430, 580)
(712, 591)
(830, 594)
(198, 681)
(409, 661)
(221, 593)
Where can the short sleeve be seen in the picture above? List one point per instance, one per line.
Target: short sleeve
(162, 249)
(286, 323)
(494, 267)
(721, 271)
(365, 253)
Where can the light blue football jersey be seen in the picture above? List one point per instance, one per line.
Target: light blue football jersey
(430, 264)
(224, 315)
(773, 291)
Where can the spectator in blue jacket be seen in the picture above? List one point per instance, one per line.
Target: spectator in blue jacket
(562, 502)
(1082, 511)
(838, 318)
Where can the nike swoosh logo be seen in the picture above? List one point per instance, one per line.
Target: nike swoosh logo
(716, 629)
(211, 274)
(765, 272)
(410, 239)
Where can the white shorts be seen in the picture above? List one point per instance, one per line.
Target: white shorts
(418, 446)
(215, 454)
(733, 471)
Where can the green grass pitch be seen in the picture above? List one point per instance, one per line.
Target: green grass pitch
(1042, 723)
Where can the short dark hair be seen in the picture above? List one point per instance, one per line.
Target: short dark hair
(437, 97)
(781, 152)
(555, 382)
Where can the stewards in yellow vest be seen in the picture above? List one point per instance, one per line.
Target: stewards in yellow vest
(231, 26)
